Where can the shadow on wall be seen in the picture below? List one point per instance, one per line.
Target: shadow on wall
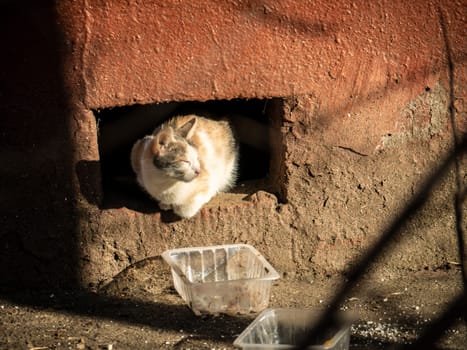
(37, 239)
(295, 24)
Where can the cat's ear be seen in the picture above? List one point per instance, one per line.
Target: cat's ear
(186, 130)
(162, 139)
(165, 136)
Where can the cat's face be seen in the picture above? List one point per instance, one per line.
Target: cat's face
(173, 155)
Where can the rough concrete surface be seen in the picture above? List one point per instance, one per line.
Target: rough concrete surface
(172, 50)
(363, 92)
(336, 202)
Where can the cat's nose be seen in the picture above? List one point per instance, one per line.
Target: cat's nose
(196, 169)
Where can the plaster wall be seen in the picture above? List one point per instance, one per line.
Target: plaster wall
(361, 95)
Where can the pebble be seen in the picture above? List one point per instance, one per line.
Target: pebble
(384, 332)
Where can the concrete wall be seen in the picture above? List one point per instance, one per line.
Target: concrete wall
(361, 95)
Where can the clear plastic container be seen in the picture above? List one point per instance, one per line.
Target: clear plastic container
(230, 279)
(287, 328)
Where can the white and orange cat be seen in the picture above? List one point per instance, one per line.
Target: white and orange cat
(185, 162)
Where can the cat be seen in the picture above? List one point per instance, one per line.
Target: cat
(185, 162)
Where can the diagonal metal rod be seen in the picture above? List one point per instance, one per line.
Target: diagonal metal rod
(387, 239)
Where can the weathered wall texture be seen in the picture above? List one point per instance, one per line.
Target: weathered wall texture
(363, 117)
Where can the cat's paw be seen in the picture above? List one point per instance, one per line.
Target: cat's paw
(186, 211)
(190, 208)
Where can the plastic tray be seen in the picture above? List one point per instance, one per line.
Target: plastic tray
(230, 279)
(286, 328)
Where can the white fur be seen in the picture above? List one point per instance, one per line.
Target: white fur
(214, 160)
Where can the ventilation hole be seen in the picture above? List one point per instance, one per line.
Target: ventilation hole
(119, 128)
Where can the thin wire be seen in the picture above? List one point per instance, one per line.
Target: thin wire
(458, 196)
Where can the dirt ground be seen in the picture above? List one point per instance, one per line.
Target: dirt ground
(140, 309)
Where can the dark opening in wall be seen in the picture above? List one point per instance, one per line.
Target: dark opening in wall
(120, 127)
